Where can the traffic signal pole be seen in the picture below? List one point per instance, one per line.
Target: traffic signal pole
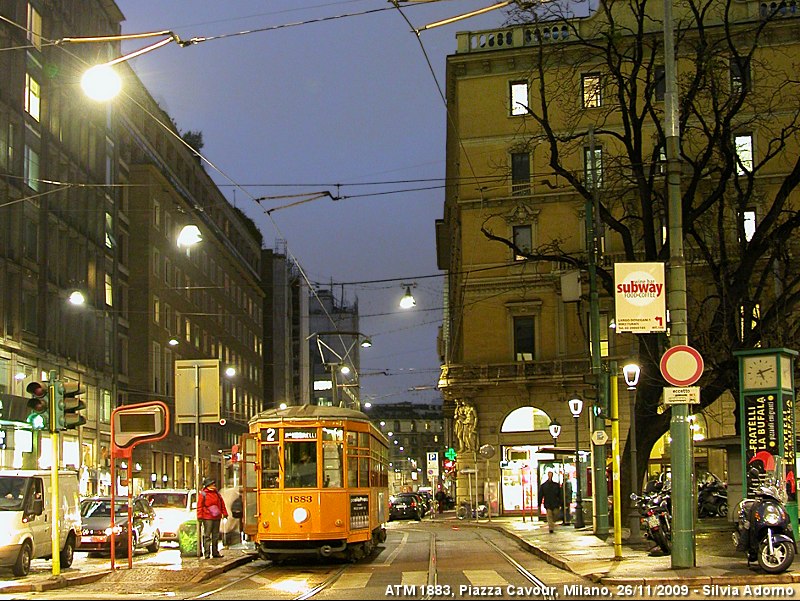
(55, 440)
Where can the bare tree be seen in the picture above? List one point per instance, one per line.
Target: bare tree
(740, 169)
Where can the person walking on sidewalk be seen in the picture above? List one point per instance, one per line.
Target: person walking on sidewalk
(210, 511)
(550, 497)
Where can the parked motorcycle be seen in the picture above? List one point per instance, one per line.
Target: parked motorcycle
(712, 498)
(465, 509)
(656, 516)
(764, 530)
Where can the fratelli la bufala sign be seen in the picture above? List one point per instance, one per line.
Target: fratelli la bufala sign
(640, 298)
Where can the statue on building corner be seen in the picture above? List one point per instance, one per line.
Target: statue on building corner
(465, 423)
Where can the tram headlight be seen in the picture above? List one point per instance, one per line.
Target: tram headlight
(300, 515)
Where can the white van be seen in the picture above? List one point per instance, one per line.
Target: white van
(26, 516)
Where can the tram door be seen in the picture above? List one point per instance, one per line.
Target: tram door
(250, 452)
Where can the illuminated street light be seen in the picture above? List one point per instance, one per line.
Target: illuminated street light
(189, 236)
(408, 301)
(76, 297)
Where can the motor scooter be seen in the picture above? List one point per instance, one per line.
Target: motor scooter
(764, 530)
(656, 516)
(712, 498)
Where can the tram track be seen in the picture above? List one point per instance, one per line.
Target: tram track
(431, 590)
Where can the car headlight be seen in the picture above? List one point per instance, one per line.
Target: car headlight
(117, 530)
(772, 515)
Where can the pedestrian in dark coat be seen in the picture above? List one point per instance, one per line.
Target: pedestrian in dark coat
(550, 497)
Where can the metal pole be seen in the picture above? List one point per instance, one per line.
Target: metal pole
(683, 543)
(197, 451)
(579, 521)
(635, 535)
(615, 463)
(598, 451)
(55, 440)
(334, 387)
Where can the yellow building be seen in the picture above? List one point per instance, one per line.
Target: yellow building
(549, 118)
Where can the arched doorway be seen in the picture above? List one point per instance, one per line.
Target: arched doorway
(522, 466)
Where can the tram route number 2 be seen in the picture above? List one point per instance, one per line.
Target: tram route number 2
(300, 498)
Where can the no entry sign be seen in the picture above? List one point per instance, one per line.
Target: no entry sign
(681, 365)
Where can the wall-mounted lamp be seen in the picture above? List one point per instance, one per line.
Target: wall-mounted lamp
(76, 297)
(408, 301)
(230, 371)
(631, 373)
(153, 477)
(173, 342)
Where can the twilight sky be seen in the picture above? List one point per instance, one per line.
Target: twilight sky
(339, 104)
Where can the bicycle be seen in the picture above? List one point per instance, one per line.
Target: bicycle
(466, 509)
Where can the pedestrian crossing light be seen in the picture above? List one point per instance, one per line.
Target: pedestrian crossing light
(39, 404)
(66, 406)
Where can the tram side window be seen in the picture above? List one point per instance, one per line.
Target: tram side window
(331, 465)
(270, 466)
(301, 464)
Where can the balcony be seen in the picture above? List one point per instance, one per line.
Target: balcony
(527, 372)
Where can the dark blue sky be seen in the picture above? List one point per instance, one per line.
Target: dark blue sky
(299, 109)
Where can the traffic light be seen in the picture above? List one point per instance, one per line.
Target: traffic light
(39, 404)
(71, 405)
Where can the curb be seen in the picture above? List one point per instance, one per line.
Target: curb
(210, 572)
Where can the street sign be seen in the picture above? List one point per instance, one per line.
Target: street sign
(599, 437)
(197, 391)
(688, 394)
(681, 365)
(433, 463)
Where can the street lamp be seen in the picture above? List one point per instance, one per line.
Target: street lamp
(555, 431)
(408, 301)
(575, 407)
(631, 373)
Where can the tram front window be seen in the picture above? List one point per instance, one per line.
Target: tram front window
(301, 465)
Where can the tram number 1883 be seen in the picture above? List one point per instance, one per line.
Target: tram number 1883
(300, 498)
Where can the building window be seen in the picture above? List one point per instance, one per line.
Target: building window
(740, 75)
(31, 168)
(30, 315)
(588, 172)
(156, 262)
(105, 407)
(109, 287)
(33, 97)
(519, 98)
(156, 215)
(524, 338)
(523, 240)
(743, 145)
(520, 173)
(109, 230)
(34, 29)
(156, 367)
(747, 223)
(592, 90)
(604, 329)
(660, 83)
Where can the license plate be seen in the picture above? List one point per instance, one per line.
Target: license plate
(93, 539)
(652, 521)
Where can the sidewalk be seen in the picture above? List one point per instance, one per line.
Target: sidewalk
(583, 553)
(144, 572)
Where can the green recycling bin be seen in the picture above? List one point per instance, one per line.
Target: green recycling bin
(187, 538)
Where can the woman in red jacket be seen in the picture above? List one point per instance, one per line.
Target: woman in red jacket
(210, 511)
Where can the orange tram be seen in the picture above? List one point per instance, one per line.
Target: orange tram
(314, 482)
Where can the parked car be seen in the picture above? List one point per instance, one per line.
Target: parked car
(406, 505)
(173, 507)
(96, 517)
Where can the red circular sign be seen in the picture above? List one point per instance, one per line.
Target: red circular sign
(681, 365)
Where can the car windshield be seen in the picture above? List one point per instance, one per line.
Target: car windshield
(12, 492)
(92, 508)
(163, 499)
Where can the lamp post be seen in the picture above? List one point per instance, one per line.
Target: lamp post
(576, 407)
(631, 372)
(555, 432)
